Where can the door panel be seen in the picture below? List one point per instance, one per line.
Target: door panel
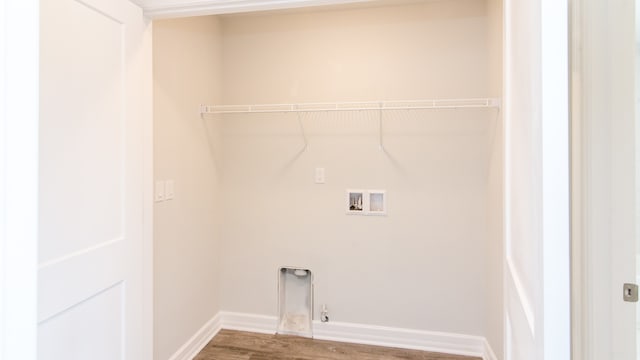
(59, 336)
(78, 277)
(84, 136)
(92, 174)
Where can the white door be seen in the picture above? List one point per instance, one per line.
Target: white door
(18, 177)
(605, 185)
(536, 132)
(94, 129)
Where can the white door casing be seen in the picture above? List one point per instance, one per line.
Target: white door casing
(536, 284)
(94, 287)
(623, 180)
(18, 177)
(604, 134)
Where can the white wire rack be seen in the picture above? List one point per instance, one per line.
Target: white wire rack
(368, 106)
(353, 106)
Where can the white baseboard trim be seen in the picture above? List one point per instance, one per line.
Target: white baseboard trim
(433, 341)
(449, 343)
(199, 340)
(249, 322)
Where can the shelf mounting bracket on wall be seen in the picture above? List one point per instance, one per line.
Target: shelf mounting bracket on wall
(304, 135)
(379, 106)
(380, 127)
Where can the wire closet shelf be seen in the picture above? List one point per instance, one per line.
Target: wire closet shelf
(377, 107)
(353, 106)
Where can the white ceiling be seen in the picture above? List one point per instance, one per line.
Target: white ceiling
(179, 8)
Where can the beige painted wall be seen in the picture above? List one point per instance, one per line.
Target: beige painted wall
(425, 265)
(246, 202)
(186, 245)
(436, 50)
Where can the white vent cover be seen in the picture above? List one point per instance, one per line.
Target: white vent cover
(295, 301)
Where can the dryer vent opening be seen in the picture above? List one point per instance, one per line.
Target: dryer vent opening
(295, 301)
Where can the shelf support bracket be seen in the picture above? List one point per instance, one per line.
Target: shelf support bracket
(380, 134)
(302, 132)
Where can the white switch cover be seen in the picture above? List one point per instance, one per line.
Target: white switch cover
(168, 190)
(320, 175)
(159, 191)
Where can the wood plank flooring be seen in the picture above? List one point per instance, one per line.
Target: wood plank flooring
(237, 345)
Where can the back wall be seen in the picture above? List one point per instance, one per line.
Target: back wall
(423, 266)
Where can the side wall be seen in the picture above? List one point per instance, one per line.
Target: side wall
(495, 264)
(186, 244)
(424, 265)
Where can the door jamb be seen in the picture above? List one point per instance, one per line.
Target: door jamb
(19, 91)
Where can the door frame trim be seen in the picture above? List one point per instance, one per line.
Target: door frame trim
(148, 185)
(599, 98)
(19, 92)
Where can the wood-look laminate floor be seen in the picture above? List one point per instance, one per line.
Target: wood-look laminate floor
(237, 345)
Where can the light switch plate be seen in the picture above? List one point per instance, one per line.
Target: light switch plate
(159, 191)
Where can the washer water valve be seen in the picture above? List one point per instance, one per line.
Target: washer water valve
(324, 315)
